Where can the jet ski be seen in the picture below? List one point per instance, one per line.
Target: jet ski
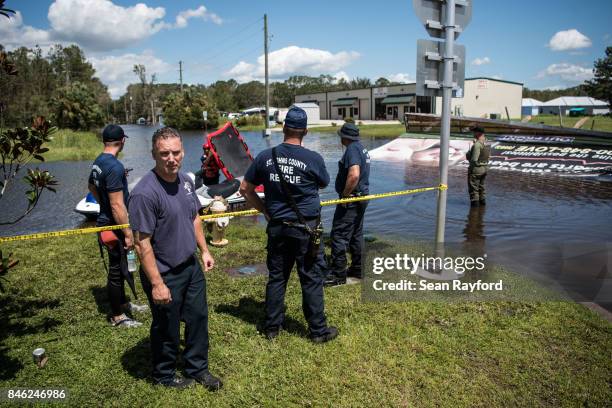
(88, 206)
(228, 190)
(233, 158)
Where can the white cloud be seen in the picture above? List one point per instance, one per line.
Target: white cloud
(100, 25)
(293, 60)
(400, 77)
(498, 76)
(242, 72)
(567, 72)
(116, 71)
(554, 88)
(569, 40)
(14, 34)
(200, 12)
(96, 25)
(341, 75)
(481, 61)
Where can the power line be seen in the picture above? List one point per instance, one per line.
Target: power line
(218, 44)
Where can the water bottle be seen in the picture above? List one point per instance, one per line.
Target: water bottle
(131, 260)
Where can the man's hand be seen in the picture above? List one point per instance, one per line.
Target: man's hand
(161, 294)
(129, 239)
(207, 260)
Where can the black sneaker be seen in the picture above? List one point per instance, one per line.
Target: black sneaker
(333, 280)
(209, 381)
(474, 204)
(177, 382)
(350, 273)
(332, 333)
(271, 334)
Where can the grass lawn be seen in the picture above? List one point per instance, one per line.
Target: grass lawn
(70, 145)
(388, 354)
(391, 130)
(603, 123)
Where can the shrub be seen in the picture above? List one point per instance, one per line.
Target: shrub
(349, 120)
(250, 120)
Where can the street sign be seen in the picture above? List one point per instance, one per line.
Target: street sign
(430, 68)
(432, 14)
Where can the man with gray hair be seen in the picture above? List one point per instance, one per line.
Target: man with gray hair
(163, 211)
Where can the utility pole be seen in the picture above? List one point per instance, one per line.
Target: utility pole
(181, 74)
(447, 93)
(267, 121)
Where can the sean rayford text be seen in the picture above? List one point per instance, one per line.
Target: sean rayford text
(424, 266)
(411, 264)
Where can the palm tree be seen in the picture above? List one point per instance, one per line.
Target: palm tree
(4, 11)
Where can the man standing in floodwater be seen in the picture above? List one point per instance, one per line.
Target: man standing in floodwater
(353, 180)
(108, 185)
(167, 228)
(478, 156)
(293, 211)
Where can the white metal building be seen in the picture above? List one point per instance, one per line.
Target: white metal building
(530, 107)
(563, 104)
(483, 97)
(487, 98)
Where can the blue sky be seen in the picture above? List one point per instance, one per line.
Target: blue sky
(543, 43)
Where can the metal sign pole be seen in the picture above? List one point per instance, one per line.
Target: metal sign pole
(447, 90)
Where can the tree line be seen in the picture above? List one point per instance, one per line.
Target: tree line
(63, 86)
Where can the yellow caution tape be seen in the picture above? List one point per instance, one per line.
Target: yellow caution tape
(64, 233)
(82, 231)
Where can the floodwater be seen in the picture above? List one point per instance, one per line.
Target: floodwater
(524, 212)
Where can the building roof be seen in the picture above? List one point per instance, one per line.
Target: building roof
(495, 79)
(574, 101)
(344, 101)
(531, 102)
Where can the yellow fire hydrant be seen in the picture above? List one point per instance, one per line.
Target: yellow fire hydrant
(218, 226)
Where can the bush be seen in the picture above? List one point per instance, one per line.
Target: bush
(349, 120)
(184, 111)
(251, 120)
(334, 124)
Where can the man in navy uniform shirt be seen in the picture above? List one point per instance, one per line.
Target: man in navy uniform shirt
(108, 185)
(347, 227)
(288, 239)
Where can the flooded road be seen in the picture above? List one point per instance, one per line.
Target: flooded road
(524, 211)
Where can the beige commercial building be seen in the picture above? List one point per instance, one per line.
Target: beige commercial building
(487, 98)
(482, 96)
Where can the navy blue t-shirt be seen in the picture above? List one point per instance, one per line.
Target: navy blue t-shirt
(166, 211)
(108, 175)
(355, 154)
(305, 173)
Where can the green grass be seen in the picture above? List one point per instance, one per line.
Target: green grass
(70, 145)
(390, 130)
(388, 354)
(603, 123)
